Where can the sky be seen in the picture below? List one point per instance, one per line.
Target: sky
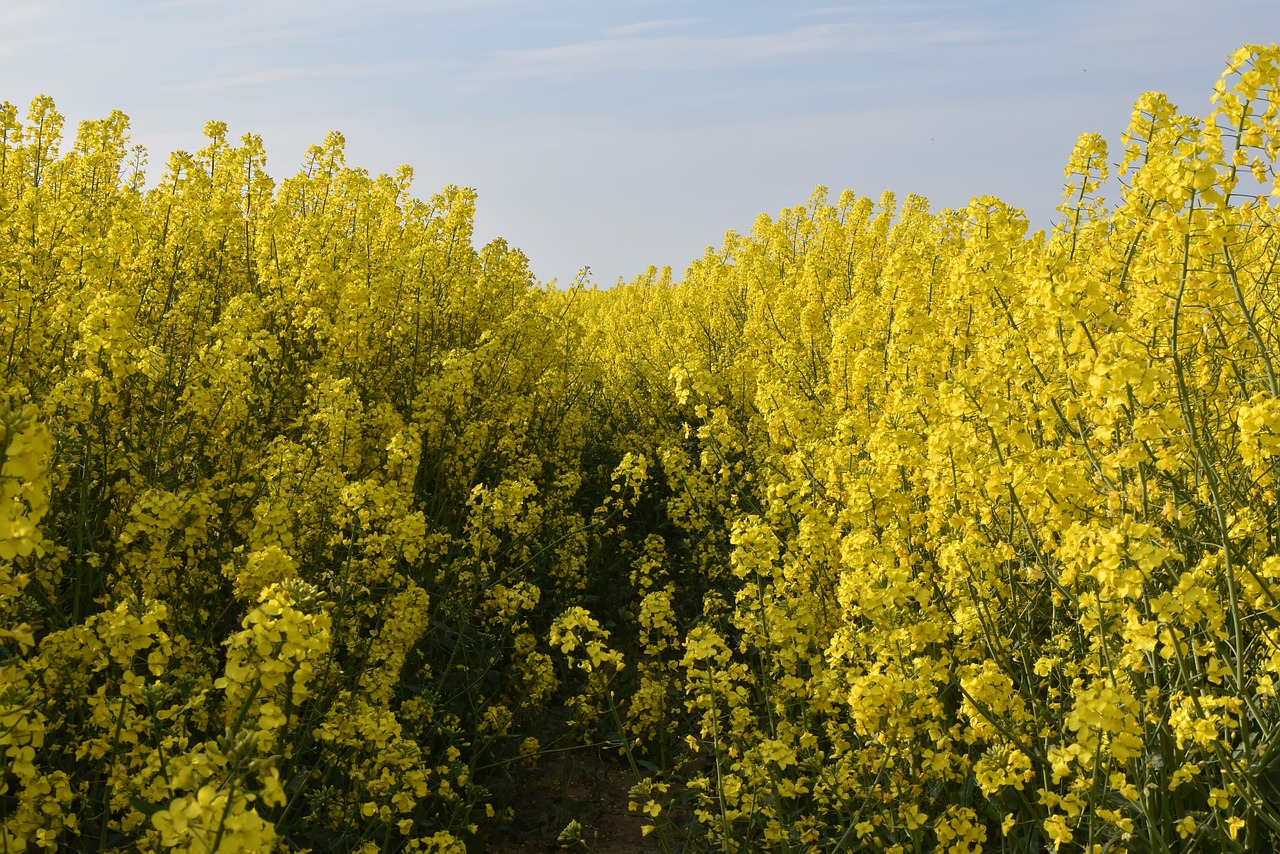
(615, 134)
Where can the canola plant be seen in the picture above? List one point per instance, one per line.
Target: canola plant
(880, 529)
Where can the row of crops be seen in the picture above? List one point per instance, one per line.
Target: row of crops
(322, 528)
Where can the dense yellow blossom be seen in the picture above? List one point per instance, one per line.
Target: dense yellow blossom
(880, 528)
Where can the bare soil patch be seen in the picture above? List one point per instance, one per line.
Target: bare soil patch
(586, 787)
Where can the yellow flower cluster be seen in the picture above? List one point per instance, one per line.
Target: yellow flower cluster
(247, 600)
(24, 481)
(882, 528)
(972, 531)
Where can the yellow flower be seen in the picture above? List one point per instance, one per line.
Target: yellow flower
(1058, 830)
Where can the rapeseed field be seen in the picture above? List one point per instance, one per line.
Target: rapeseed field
(883, 529)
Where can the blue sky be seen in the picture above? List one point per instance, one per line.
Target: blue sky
(616, 133)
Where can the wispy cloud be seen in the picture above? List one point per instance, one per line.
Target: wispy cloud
(672, 52)
(902, 10)
(14, 15)
(826, 11)
(283, 75)
(172, 5)
(643, 53)
(325, 10)
(27, 28)
(650, 26)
